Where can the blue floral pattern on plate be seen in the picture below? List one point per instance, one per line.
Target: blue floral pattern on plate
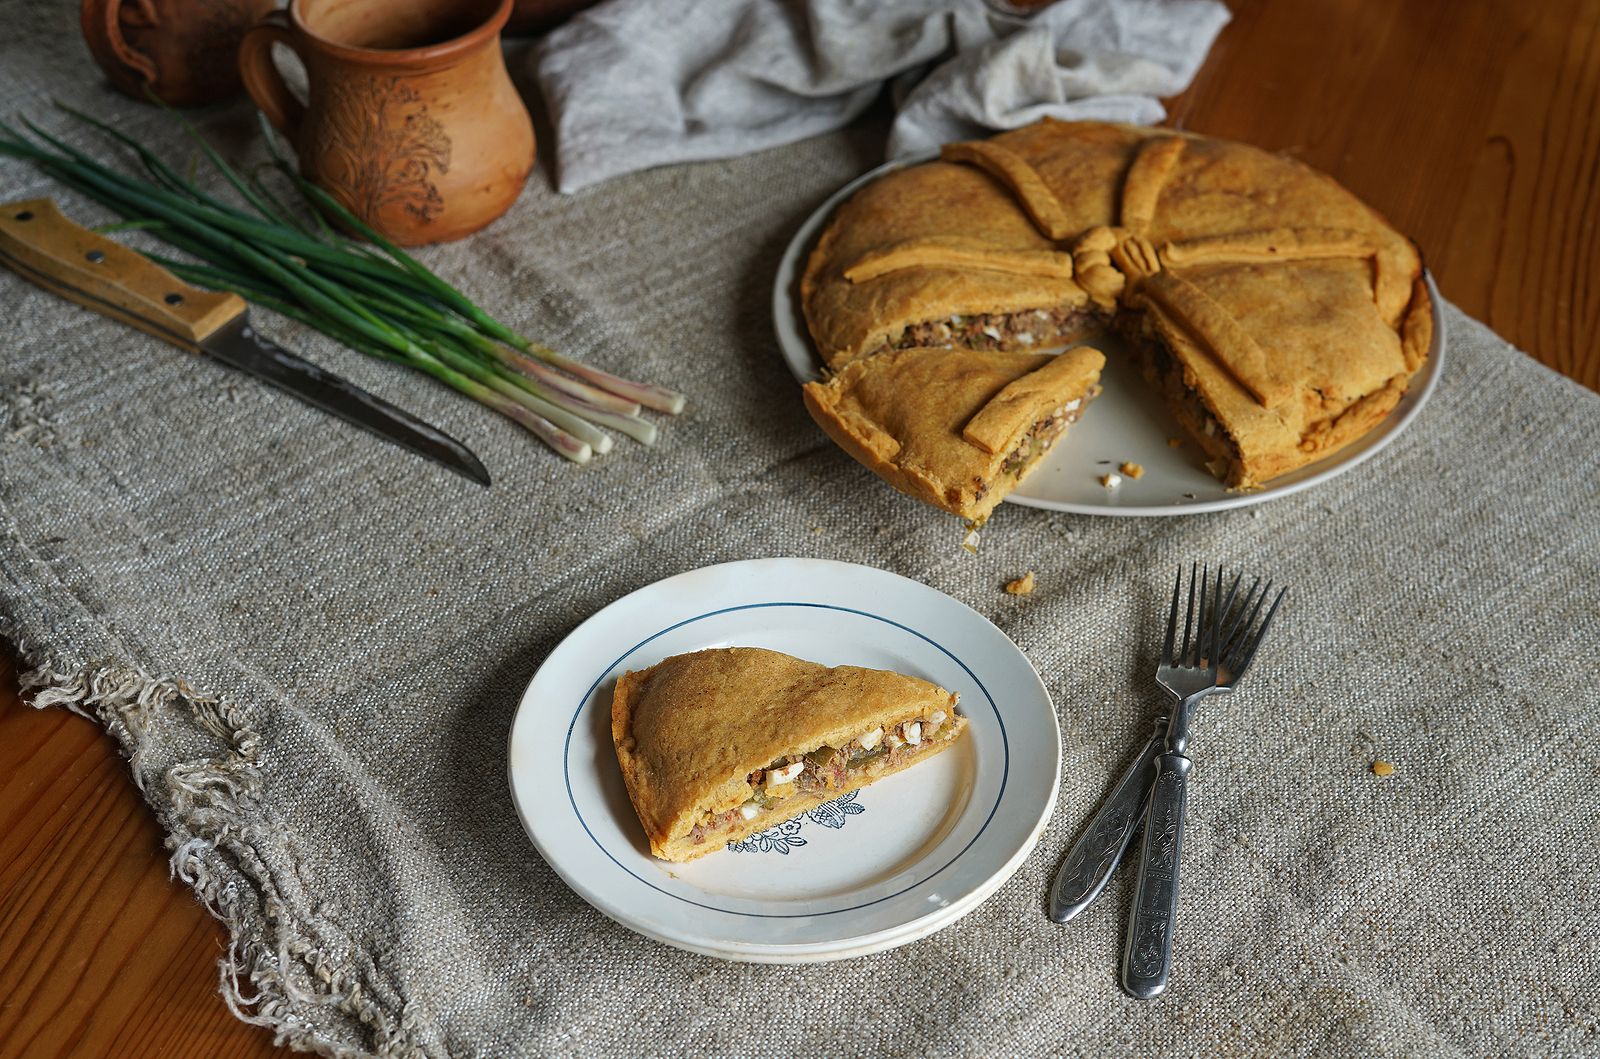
(786, 836)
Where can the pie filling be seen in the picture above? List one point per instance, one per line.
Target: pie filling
(1162, 370)
(1037, 441)
(1045, 433)
(1031, 327)
(829, 768)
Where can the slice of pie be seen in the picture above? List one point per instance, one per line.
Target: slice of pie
(717, 745)
(956, 428)
(1280, 317)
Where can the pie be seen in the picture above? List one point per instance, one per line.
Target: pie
(716, 745)
(954, 427)
(1279, 317)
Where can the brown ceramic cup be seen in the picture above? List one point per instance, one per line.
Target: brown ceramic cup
(181, 51)
(410, 119)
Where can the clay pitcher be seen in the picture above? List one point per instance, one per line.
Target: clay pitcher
(410, 118)
(181, 50)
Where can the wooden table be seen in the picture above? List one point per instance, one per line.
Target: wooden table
(1475, 127)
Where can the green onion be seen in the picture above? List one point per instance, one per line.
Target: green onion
(373, 296)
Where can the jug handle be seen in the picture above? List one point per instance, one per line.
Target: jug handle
(102, 23)
(261, 76)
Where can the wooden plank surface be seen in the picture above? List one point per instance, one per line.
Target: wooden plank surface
(1475, 127)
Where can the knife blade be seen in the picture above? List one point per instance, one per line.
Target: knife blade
(43, 245)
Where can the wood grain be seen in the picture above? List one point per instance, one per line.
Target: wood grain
(1473, 126)
(100, 954)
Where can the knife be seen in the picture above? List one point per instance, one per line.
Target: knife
(40, 243)
(1093, 859)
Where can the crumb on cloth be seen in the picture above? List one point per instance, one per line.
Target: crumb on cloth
(1022, 585)
(1382, 768)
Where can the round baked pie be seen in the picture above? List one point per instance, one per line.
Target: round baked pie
(1279, 316)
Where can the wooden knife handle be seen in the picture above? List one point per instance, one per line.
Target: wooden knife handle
(39, 242)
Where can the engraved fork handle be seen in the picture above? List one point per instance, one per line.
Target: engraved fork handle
(1093, 859)
(1147, 959)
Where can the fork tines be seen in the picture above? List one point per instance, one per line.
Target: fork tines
(1218, 624)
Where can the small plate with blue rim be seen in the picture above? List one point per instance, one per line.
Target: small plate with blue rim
(880, 867)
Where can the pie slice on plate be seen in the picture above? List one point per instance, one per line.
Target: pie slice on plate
(956, 428)
(719, 744)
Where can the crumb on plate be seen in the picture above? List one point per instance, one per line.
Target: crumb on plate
(1174, 443)
(1131, 469)
(1111, 481)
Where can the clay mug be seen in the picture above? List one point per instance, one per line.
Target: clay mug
(410, 118)
(181, 50)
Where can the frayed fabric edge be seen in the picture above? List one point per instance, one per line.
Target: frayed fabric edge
(213, 829)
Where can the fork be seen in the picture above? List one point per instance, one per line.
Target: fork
(1219, 642)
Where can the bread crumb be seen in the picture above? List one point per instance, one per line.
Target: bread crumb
(1131, 469)
(1022, 585)
(1174, 443)
(817, 530)
(1382, 768)
(1111, 481)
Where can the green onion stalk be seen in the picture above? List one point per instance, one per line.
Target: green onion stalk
(373, 296)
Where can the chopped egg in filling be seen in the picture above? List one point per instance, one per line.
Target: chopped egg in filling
(828, 768)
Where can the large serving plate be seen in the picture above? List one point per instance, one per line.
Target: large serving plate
(1127, 422)
(881, 867)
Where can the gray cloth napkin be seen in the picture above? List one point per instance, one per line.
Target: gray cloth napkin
(311, 646)
(633, 84)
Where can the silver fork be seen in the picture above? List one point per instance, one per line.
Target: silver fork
(1219, 642)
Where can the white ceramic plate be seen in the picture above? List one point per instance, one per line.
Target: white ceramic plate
(878, 868)
(1127, 422)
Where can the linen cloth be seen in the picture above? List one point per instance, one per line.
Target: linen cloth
(311, 646)
(638, 83)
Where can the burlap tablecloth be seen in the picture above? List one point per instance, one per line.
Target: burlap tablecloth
(311, 646)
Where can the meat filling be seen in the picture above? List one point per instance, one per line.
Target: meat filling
(828, 768)
(1031, 327)
(1162, 370)
(1043, 434)
(1037, 441)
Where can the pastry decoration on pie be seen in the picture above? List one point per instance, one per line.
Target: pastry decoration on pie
(954, 427)
(719, 744)
(1279, 316)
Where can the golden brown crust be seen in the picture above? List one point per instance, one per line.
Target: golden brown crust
(1019, 177)
(690, 729)
(906, 416)
(1297, 313)
(1146, 177)
(850, 319)
(957, 252)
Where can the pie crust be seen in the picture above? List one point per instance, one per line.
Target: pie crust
(956, 428)
(1281, 316)
(695, 731)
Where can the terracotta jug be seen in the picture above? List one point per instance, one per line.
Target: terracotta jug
(411, 120)
(182, 50)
